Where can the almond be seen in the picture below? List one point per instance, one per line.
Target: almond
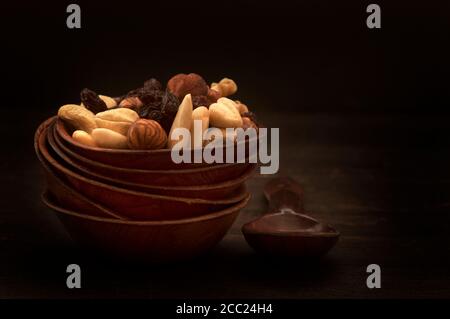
(83, 138)
(107, 138)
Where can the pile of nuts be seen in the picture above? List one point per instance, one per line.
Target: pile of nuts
(144, 118)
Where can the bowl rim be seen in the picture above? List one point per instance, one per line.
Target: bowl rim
(138, 170)
(62, 131)
(41, 134)
(228, 183)
(237, 206)
(72, 190)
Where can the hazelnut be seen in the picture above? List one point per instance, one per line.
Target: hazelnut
(183, 84)
(146, 135)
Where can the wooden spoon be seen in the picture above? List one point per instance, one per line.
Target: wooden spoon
(286, 230)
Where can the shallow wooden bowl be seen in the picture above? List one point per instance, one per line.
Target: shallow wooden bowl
(222, 190)
(155, 241)
(129, 204)
(208, 175)
(126, 158)
(66, 194)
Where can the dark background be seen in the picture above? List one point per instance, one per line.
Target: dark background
(364, 126)
(305, 55)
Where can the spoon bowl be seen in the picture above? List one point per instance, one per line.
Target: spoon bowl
(287, 231)
(290, 234)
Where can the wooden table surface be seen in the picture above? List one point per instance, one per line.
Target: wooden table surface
(382, 180)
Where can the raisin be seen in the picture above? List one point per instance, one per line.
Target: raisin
(136, 92)
(169, 103)
(200, 100)
(145, 110)
(169, 109)
(155, 115)
(152, 98)
(92, 101)
(151, 87)
(159, 106)
(152, 84)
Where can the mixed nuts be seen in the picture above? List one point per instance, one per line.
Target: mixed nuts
(145, 118)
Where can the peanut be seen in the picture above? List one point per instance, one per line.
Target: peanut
(225, 87)
(78, 116)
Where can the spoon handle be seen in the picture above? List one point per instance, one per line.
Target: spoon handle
(284, 193)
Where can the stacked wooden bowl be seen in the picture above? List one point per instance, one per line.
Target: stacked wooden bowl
(138, 204)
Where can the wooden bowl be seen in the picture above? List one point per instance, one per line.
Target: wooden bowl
(66, 194)
(126, 158)
(130, 204)
(183, 177)
(224, 190)
(155, 241)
